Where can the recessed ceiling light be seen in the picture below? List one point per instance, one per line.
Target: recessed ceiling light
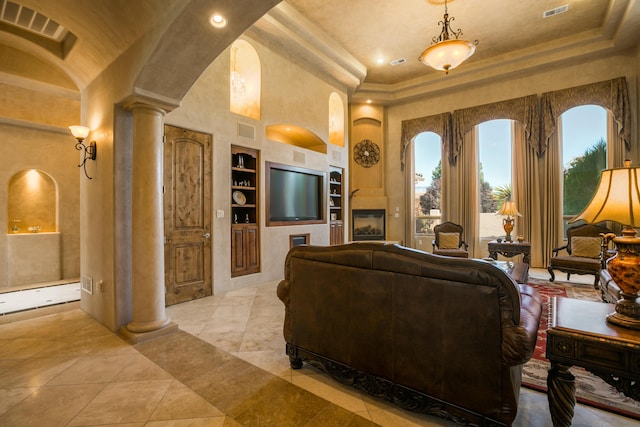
(369, 101)
(218, 21)
(380, 60)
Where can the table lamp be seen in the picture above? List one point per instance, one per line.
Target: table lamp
(617, 199)
(509, 209)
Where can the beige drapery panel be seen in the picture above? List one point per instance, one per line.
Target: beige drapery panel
(612, 95)
(439, 123)
(523, 111)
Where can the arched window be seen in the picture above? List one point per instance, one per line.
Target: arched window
(244, 80)
(584, 155)
(427, 189)
(495, 175)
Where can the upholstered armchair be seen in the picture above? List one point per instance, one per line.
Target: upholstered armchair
(448, 240)
(583, 253)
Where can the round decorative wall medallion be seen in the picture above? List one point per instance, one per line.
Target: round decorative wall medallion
(366, 153)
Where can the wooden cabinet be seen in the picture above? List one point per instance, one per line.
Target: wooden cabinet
(245, 230)
(336, 199)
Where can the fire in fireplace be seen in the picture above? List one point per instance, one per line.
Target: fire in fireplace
(368, 224)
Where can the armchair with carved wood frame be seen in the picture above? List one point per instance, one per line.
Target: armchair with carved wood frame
(448, 240)
(583, 252)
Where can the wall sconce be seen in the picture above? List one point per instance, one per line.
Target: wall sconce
(80, 133)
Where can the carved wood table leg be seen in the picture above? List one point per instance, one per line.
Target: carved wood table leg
(561, 394)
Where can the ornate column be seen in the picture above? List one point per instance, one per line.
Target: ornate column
(147, 232)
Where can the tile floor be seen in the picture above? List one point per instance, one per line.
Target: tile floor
(225, 367)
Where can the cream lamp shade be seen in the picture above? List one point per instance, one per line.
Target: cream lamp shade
(509, 209)
(617, 198)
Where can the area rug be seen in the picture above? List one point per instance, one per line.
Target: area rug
(590, 389)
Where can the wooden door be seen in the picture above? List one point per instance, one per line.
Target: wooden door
(187, 215)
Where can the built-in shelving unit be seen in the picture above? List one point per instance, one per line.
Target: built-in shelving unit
(336, 204)
(245, 230)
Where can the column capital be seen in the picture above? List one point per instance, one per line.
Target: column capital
(144, 99)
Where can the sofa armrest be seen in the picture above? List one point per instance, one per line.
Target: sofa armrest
(519, 341)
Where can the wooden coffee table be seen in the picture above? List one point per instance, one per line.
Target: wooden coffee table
(519, 271)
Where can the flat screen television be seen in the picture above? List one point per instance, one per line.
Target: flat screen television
(295, 195)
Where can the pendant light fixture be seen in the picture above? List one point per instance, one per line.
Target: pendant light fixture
(446, 53)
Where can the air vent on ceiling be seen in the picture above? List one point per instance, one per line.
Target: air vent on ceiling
(553, 12)
(31, 20)
(398, 61)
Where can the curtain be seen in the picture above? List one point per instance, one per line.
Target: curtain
(462, 203)
(440, 124)
(612, 95)
(525, 112)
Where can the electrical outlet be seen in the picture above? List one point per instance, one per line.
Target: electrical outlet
(219, 213)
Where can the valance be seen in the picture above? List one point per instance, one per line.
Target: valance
(440, 124)
(611, 94)
(524, 110)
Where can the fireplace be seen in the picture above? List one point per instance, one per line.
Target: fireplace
(368, 224)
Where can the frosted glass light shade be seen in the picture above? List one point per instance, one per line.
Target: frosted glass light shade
(448, 54)
(79, 132)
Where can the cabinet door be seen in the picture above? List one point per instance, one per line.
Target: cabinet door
(339, 233)
(252, 249)
(245, 249)
(238, 263)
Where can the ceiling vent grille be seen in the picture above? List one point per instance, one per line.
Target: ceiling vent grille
(557, 11)
(398, 61)
(30, 20)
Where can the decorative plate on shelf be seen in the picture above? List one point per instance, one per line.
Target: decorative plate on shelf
(239, 197)
(366, 153)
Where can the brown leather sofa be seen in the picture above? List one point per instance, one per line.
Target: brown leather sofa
(609, 289)
(440, 335)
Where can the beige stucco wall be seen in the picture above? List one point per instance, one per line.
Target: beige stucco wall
(290, 95)
(50, 150)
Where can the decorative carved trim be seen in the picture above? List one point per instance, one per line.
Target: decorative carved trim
(401, 396)
(630, 388)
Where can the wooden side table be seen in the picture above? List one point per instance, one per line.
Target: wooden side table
(510, 249)
(581, 336)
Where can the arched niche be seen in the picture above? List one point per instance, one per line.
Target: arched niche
(336, 120)
(296, 135)
(32, 202)
(244, 80)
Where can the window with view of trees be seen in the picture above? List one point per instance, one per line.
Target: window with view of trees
(584, 155)
(495, 144)
(427, 148)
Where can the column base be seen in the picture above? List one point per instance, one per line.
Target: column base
(139, 337)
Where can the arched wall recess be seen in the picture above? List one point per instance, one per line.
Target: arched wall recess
(32, 202)
(245, 80)
(336, 120)
(297, 136)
